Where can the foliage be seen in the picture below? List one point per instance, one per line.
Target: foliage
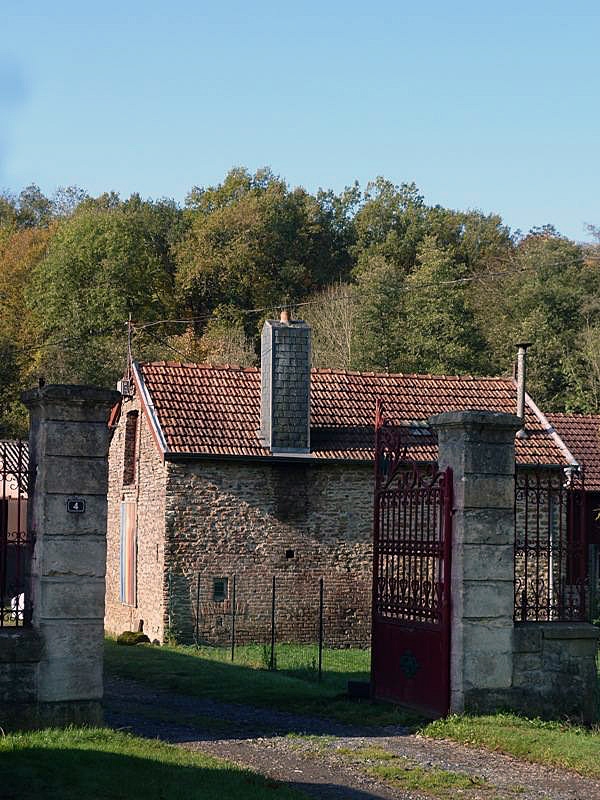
(103, 264)
(253, 242)
(386, 281)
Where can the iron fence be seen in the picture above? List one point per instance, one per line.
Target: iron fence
(551, 569)
(16, 545)
(310, 627)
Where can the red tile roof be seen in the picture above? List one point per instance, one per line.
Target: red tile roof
(210, 410)
(581, 434)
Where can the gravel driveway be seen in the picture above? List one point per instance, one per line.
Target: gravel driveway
(317, 757)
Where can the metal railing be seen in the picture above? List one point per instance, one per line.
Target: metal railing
(551, 564)
(16, 544)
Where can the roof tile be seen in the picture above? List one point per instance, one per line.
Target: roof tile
(215, 410)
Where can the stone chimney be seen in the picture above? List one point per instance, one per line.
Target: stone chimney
(285, 385)
(521, 384)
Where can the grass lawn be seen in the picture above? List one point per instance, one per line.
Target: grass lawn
(207, 673)
(98, 764)
(554, 743)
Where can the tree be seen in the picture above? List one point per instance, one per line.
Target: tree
(102, 264)
(331, 313)
(541, 299)
(440, 334)
(253, 242)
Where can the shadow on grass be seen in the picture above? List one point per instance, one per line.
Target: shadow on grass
(186, 673)
(74, 774)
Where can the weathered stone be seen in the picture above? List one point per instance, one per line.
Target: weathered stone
(528, 638)
(74, 476)
(67, 438)
(488, 599)
(488, 670)
(20, 645)
(69, 678)
(489, 562)
(484, 491)
(494, 526)
(52, 509)
(69, 557)
(70, 403)
(61, 598)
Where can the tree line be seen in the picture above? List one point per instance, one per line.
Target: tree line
(388, 283)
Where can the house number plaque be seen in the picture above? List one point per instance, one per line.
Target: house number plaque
(75, 505)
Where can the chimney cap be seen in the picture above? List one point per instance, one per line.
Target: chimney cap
(524, 345)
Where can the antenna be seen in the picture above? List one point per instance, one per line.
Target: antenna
(129, 348)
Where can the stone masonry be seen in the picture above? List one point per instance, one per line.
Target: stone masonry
(537, 668)
(479, 447)
(211, 519)
(56, 668)
(148, 491)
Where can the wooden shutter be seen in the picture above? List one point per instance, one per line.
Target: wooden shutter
(128, 554)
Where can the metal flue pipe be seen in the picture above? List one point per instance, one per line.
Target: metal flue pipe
(521, 382)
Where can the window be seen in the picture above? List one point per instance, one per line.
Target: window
(220, 587)
(130, 442)
(128, 555)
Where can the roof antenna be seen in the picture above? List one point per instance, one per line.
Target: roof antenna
(521, 381)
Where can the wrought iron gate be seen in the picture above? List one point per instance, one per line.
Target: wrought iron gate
(16, 545)
(410, 661)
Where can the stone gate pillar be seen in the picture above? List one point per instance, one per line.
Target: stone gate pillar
(479, 446)
(69, 441)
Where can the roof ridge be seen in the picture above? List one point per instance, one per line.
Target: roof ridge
(331, 371)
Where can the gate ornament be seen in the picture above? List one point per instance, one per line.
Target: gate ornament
(409, 664)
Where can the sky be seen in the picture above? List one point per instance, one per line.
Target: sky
(491, 106)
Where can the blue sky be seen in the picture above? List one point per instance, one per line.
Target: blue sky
(483, 105)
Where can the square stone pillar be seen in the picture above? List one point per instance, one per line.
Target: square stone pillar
(68, 451)
(479, 446)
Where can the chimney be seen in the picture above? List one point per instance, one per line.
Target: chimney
(285, 385)
(521, 382)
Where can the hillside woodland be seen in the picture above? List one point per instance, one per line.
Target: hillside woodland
(387, 282)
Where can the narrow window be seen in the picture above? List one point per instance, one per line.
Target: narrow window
(220, 586)
(130, 442)
(128, 559)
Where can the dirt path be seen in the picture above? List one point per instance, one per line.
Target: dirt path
(316, 755)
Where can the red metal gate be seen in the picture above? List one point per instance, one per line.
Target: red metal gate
(410, 660)
(16, 545)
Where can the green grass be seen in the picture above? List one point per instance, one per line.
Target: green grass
(553, 743)
(405, 774)
(206, 673)
(98, 764)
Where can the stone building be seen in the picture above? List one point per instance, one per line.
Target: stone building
(221, 471)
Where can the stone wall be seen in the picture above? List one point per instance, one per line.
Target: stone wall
(147, 490)
(554, 670)
(298, 522)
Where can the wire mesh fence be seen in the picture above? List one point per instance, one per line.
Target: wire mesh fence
(311, 628)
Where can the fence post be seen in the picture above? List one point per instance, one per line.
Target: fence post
(320, 626)
(272, 661)
(197, 608)
(233, 620)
